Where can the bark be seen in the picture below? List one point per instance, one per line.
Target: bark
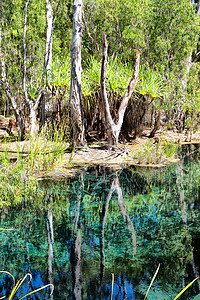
(46, 106)
(156, 125)
(116, 186)
(76, 99)
(31, 104)
(75, 254)
(5, 84)
(50, 249)
(49, 37)
(114, 128)
(103, 217)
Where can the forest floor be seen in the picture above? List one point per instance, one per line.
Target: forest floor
(142, 151)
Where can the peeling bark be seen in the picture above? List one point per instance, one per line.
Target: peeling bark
(76, 99)
(114, 128)
(46, 106)
(31, 104)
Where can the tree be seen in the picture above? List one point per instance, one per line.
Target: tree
(76, 99)
(47, 101)
(115, 127)
(6, 86)
(32, 100)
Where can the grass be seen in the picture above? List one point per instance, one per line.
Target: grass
(154, 277)
(40, 154)
(45, 150)
(156, 152)
(16, 286)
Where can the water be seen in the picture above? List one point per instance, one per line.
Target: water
(104, 222)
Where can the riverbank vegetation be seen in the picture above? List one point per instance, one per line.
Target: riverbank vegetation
(36, 68)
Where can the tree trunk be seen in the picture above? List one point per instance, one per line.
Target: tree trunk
(46, 105)
(75, 253)
(33, 121)
(50, 233)
(198, 8)
(115, 128)
(31, 104)
(76, 99)
(6, 86)
(125, 215)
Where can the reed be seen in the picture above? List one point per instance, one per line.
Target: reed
(16, 286)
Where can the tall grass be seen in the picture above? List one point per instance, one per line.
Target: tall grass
(16, 286)
(46, 149)
(152, 281)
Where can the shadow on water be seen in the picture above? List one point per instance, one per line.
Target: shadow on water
(104, 221)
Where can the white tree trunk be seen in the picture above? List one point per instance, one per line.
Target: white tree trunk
(49, 37)
(31, 104)
(6, 86)
(115, 127)
(33, 121)
(76, 101)
(46, 107)
(50, 233)
(198, 8)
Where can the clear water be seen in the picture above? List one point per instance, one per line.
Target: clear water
(104, 222)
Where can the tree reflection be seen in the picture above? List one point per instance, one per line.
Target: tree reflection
(115, 186)
(75, 254)
(50, 246)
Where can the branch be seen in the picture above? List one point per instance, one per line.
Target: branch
(103, 83)
(125, 214)
(50, 41)
(38, 97)
(129, 90)
(6, 84)
(24, 55)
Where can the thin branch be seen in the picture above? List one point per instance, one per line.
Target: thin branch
(24, 55)
(50, 41)
(129, 90)
(103, 81)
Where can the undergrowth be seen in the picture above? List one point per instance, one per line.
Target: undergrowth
(18, 179)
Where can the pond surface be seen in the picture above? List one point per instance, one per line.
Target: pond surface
(105, 222)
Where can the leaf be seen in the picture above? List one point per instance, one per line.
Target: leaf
(152, 281)
(185, 289)
(41, 288)
(197, 297)
(112, 285)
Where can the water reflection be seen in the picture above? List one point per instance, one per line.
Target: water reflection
(102, 222)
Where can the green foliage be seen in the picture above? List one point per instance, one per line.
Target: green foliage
(16, 185)
(150, 83)
(60, 73)
(47, 149)
(117, 79)
(173, 32)
(156, 153)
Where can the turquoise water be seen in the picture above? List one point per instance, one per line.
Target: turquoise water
(105, 221)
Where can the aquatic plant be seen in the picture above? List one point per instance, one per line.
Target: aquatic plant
(154, 277)
(181, 292)
(17, 285)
